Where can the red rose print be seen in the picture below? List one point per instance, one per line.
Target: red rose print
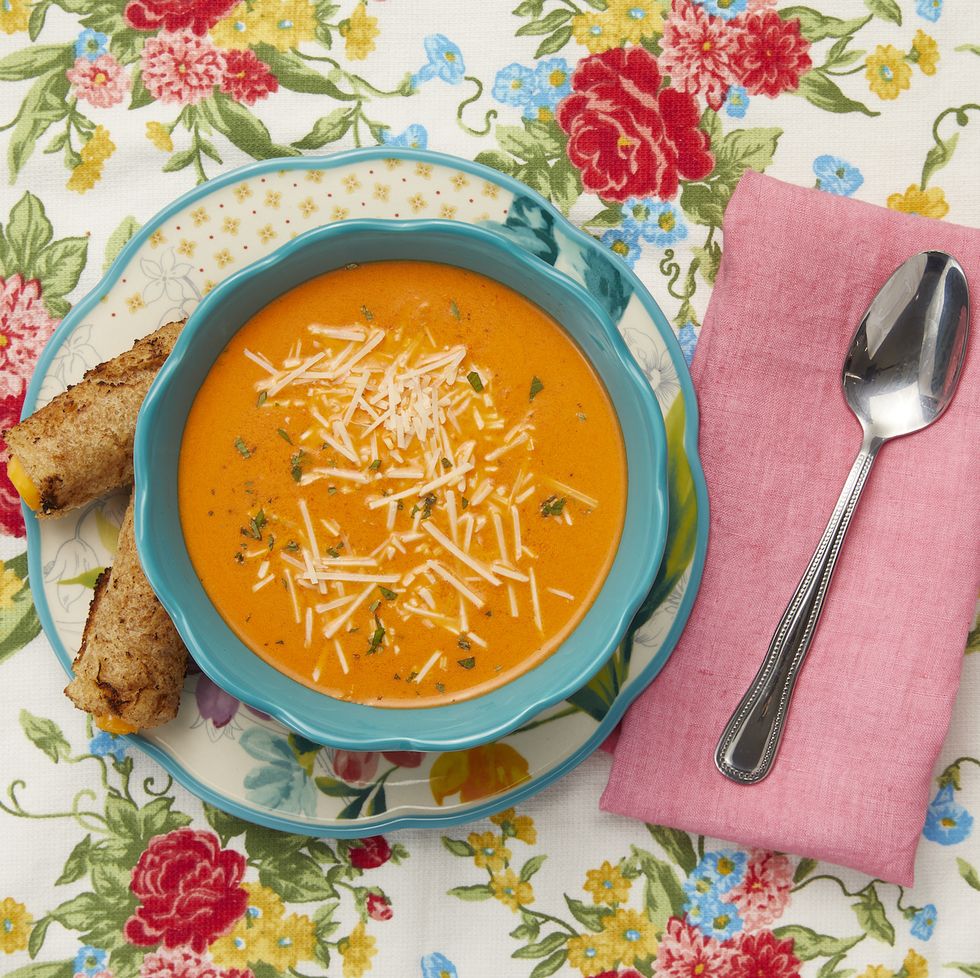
(770, 53)
(762, 953)
(11, 518)
(354, 767)
(189, 889)
(370, 853)
(175, 15)
(629, 137)
(246, 78)
(378, 908)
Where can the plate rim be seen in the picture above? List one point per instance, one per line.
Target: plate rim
(385, 822)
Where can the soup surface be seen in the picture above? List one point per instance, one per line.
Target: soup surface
(402, 484)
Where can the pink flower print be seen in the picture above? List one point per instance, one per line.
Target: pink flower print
(181, 68)
(764, 892)
(697, 52)
(102, 82)
(178, 962)
(685, 952)
(25, 326)
(755, 5)
(354, 767)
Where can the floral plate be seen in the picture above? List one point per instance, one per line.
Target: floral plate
(238, 759)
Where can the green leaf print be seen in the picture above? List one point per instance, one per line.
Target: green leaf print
(479, 891)
(677, 845)
(45, 969)
(803, 869)
(59, 266)
(815, 26)
(38, 933)
(821, 91)
(19, 623)
(296, 75)
(36, 60)
(553, 43)
(550, 965)
(968, 872)
(973, 970)
(543, 948)
(498, 160)
(77, 864)
(458, 847)
(588, 916)
(44, 105)
(328, 129)
(808, 944)
(140, 94)
(546, 24)
(885, 9)
(662, 895)
(117, 241)
(243, 129)
(871, 916)
(227, 826)
(87, 578)
(46, 735)
(531, 867)
(28, 231)
(296, 878)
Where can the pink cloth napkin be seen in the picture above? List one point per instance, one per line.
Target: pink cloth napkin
(872, 705)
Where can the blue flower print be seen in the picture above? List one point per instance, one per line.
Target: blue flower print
(687, 336)
(414, 137)
(717, 872)
(445, 61)
(930, 9)
(654, 220)
(437, 965)
(624, 243)
(924, 922)
(713, 916)
(726, 9)
(279, 783)
(552, 82)
(91, 44)
(837, 176)
(105, 744)
(514, 85)
(90, 961)
(737, 102)
(946, 821)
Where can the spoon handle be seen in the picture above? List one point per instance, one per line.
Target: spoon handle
(749, 742)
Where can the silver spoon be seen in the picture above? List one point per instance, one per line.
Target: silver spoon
(899, 376)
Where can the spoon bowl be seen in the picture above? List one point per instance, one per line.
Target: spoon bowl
(904, 361)
(900, 373)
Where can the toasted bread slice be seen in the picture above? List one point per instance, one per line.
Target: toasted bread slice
(132, 661)
(80, 445)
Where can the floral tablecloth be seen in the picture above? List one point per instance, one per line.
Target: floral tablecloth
(636, 118)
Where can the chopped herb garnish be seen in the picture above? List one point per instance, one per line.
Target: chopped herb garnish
(581, 416)
(333, 552)
(440, 687)
(374, 605)
(429, 501)
(446, 464)
(291, 545)
(465, 502)
(262, 398)
(240, 557)
(467, 663)
(387, 593)
(284, 435)
(243, 449)
(295, 462)
(474, 378)
(553, 506)
(377, 637)
(271, 541)
(331, 490)
(536, 388)
(255, 524)
(463, 644)
(375, 465)
(453, 308)
(366, 313)
(412, 675)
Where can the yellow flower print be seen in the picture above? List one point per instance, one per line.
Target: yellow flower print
(590, 953)
(357, 951)
(10, 586)
(290, 941)
(925, 52)
(267, 233)
(630, 935)
(607, 884)
(928, 203)
(636, 19)
(489, 851)
(14, 15)
(915, 964)
(231, 225)
(186, 247)
(94, 153)
(597, 32)
(479, 772)
(359, 33)
(308, 207)
(199, 216)
(158, 134)
(254, 932)
(238, 30)
(272, 199)
(223, 257)
(135, 302)
(887, 72)
(157, 239)
(521, 827)
(877, 971)
(281, 23)
(15, 925)
(510, 890)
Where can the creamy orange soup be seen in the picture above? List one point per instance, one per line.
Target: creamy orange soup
(402, 484)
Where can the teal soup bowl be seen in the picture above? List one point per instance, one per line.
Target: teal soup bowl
(316, 715)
